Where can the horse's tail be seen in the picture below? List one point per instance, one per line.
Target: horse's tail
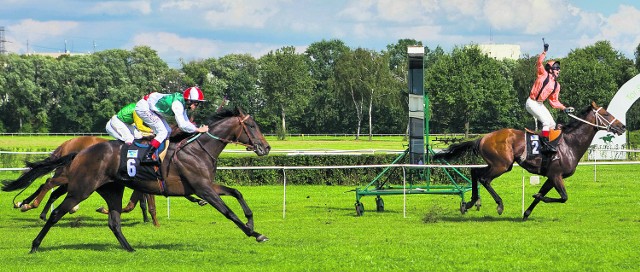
(456, 151)
(38, 169)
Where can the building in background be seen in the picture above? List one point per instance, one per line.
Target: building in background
(501, 51)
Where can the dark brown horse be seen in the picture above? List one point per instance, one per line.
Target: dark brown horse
(501, 148)
(59, 178)
(189, 168)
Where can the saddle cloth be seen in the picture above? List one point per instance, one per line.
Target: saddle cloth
(130, 167)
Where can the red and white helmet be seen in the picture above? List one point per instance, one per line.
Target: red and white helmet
(193, 94)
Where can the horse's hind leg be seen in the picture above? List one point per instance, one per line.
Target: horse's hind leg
(57, 193)
(224, 190)
(151, 204)
(25, 204)
(67, 204)
(112, 194)
(475, 195)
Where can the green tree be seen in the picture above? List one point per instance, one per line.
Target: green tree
(473, 84)
(285, 79)
(325, 107)
(594, 73)
(361, 76)
(240, 75)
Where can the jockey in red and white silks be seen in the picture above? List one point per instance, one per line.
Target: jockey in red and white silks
(153, 108)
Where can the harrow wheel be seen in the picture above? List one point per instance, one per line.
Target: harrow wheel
(359, 209)
(379, 204)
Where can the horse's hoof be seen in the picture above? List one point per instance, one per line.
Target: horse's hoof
(202, 202)
(25, 207)
(102, 210)
(262, 238)
(500, 210)
(17, 205)
(74, 209)
(526, 215)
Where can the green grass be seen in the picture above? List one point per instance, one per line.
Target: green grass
(596, 230)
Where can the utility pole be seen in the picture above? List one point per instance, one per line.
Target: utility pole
(3, 49)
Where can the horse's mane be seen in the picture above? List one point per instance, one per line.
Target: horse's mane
(573, 124)
(178, 135)
(222, 114)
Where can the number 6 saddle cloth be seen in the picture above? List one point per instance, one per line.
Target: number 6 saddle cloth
(131, 167)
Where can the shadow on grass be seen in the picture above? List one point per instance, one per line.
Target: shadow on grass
(77, 222)
(106, 247)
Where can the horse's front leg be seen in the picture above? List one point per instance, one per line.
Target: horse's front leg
(546, 187)
(224, 190)
(558, 184)
(208, 194)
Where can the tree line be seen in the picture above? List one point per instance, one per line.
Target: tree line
(329, 88)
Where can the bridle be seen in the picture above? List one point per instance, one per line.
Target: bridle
(601, 122)
(241, 128)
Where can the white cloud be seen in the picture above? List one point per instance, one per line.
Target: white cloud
(121, 7)
(621, 29)
(173, 47)
(358, 10)
(33, 31)
(170, 43)
(241, 13)
(531, 16)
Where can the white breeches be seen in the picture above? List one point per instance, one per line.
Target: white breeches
(540, 112)
(121, 131)
(152, 119)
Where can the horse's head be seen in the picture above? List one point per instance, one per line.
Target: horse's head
(604, 120)
(241, 129)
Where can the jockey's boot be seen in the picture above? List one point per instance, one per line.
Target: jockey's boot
(148, 157)
(547, 146)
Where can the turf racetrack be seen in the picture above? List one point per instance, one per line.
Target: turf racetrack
(598, 229)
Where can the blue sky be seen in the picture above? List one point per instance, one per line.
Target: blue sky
(198, 29)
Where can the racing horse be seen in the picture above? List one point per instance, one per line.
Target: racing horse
(501, 148)
(188, 168)
(59, 178)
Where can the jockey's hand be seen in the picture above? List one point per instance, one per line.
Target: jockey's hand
(569, 110)
(202, 129)
(546, 47)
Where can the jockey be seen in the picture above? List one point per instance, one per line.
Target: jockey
(154, 107)
(546, 87)
(121, 125)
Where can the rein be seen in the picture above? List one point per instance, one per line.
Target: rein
(600, 120)
(242, 128)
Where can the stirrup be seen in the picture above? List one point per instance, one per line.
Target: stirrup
(547, 147)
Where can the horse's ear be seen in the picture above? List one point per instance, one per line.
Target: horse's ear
(594, 105)
(240, 111)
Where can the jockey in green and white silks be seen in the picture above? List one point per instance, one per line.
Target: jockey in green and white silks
(121, 127)
(156, 106)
